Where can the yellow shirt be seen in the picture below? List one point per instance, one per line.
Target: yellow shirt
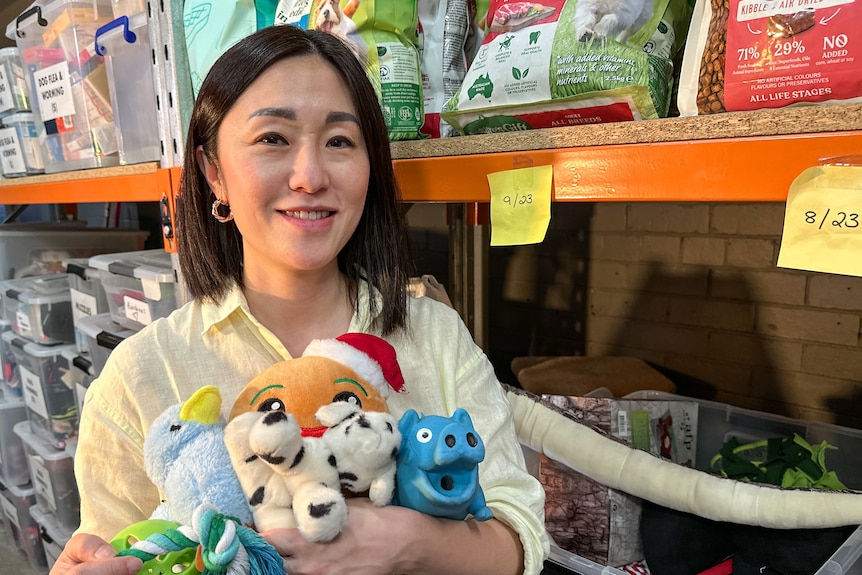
(224, 345)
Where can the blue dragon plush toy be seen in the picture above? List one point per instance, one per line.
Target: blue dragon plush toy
(437, 471)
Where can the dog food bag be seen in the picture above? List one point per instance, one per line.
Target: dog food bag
(383, 34)
(443, 29)
(570, 62)
(752, 54)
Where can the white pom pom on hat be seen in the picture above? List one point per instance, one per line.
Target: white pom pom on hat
(372, 358)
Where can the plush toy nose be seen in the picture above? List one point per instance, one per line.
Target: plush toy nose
(459, 448)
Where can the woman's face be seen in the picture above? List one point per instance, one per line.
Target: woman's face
(293, 166)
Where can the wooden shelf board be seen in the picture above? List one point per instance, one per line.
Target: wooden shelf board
(787, 121)
(134, 183)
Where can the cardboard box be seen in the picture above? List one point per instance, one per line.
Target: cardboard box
(589, 519)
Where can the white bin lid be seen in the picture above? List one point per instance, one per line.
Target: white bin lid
(95, 325)
(50, 524)
(38, 444)
(18, 491)
(153, 265)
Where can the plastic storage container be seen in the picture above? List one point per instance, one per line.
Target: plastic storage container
(51, 407)
(20, 152)
(126, 47)
(69, 82)
(140, 288)
(128, 7)
(16, 502)
(103, 335)
(13, 459)
(40, 308)
(11, 380)
(80, 374)
(54, 538)
(35, 249)
(561, 562)
(14, 96)
(53, 477)
(88, 295)
(717, 422)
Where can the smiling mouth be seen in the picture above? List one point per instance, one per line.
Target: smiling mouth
(302, 215)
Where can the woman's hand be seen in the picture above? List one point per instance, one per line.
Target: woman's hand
(91, 555)
(374, 541)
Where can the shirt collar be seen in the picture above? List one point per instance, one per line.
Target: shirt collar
(234, 302)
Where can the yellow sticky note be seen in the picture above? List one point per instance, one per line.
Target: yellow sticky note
(823, 221)
(520, 205)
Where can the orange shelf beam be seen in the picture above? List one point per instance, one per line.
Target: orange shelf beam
(720, 170)
(138, 183)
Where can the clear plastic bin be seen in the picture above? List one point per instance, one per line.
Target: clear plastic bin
(20, 152)
(54, 538)
(69, 82)
(128, 7)
(51, 407)
(32, 249)
(16, 502)
(80, 374)
(561, 562)
(53, 476)
(88, 295)
(103, 335)
(13, 459)
(14, 96)
(126, 47)
(718, 422)
(11, 380)
(40, 308)
(140, 288)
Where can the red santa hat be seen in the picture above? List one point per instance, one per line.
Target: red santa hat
(372, 358)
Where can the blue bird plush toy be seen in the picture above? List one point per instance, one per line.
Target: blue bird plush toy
(437, 471)
(186, 458)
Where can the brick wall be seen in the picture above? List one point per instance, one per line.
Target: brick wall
(694, 290)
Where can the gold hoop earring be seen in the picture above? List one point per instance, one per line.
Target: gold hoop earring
(220, 218)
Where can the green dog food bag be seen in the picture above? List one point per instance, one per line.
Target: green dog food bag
(383, 34)
(570, 62)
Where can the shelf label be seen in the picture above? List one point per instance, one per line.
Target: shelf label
(520, 205)
(42, 481)
(54, 91)
(11, 154)
(823, 221)
(10, 511)
(83, 305)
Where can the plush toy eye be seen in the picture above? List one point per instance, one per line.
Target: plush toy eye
(424, 435)
(272, 404)
(349, 397)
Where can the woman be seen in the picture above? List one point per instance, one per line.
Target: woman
(290, 229)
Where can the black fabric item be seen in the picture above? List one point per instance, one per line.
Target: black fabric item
(784, 551)
(677, 543)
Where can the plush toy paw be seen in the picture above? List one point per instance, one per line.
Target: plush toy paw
(275, 437)
(320, 511)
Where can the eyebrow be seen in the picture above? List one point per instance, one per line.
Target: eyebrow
(290, 114)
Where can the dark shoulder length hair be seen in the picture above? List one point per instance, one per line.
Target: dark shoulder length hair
(211, 253)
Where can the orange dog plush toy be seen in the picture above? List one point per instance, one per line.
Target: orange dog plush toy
(305, 428)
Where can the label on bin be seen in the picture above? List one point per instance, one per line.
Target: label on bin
(23, 321)
(10, 512)
(83, 305)
(6, 99)
(54, 91)
(42, 480)
(137, 310)
(11, 153)
(33, 396)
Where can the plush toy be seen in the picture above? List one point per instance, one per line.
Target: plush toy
(437, 471)
(615, 464)
(185, 457)
(293, 446)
